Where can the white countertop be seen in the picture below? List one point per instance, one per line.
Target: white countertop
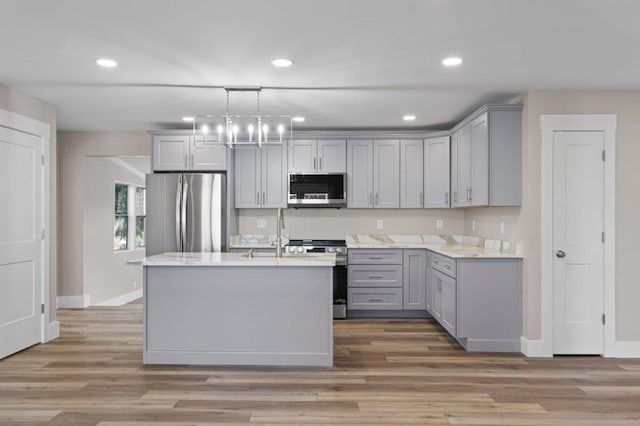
(456, 246)
(238, 259)
(249, 241)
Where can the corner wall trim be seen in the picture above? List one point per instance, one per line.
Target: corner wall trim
(533, 348)
(122, 300)
(73, 302)
(53, 331)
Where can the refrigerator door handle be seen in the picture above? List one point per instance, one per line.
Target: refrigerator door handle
(183, 215)
(178, 210)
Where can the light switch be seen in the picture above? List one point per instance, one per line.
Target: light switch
(262, 223)
(439, 224)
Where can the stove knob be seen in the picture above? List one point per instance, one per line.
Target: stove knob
(300, 250)
(291, 249)
(331, 250)
(339, 250)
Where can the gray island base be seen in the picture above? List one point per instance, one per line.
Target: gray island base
(226, 309)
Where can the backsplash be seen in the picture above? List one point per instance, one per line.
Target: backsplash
(336, 223)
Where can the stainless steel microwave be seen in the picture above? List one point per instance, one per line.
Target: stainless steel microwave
(317, 190)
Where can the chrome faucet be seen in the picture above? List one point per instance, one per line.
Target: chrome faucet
(279, 227)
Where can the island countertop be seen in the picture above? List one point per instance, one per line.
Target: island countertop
(238, 259)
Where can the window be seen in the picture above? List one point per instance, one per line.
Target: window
(121, 222)
(129, 223)
(141, 218)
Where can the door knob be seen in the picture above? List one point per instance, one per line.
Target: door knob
(560, 254)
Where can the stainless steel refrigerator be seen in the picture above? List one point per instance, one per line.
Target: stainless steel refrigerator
(186, 212)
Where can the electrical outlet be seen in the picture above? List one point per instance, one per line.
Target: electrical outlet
(262, 223)
(439, 224)
(473, 225)
(502, 227)
(379, 224)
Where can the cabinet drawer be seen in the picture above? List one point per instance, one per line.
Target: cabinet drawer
(443, 264)
(375, 257)
(374, 298)
(374, 275)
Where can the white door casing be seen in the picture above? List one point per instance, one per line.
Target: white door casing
(550, 124)
(578, 174)
(21, 224)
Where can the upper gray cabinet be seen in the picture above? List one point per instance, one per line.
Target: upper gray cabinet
(184, 151)
(486, 158)
(411, 174)
(436, 172)
(373, 174)
(318, 156)
(260, 176)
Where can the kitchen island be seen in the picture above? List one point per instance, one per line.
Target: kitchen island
(235, 309)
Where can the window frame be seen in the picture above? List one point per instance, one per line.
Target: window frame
(130, 217)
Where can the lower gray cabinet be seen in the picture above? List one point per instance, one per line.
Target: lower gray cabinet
(366, 298)
(446, 302)
(414, 279)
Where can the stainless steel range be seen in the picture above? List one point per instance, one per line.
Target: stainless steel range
(339, 247)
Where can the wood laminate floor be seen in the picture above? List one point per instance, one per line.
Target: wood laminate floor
(387, 372)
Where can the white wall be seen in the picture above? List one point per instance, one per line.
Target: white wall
(336, 223)
(73, 147)
(45, 112)
(524, 224)
(105, 274)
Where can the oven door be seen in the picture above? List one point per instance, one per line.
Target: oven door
(340, 292)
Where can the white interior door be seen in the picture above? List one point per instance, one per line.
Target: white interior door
(578, 202)
(20, 240)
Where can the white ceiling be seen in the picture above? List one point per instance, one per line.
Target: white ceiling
(358, 63)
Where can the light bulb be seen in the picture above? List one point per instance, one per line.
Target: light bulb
(219, 128)
(281, 131)
(235, 132)
(250, 130)
(265, 132)
(204, 129)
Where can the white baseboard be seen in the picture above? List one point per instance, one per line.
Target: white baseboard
(73, 302)
(122, 300)
(627, 349)
(533, 348)
(54, 330)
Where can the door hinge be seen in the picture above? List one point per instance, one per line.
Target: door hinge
(42, 308)
(603, 319)
(603, 236)
(604, 155)
(42, 235)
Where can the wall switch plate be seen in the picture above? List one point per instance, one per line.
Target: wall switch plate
(262, 223)
(379, 224)
(439, 224)
(502, 227)
(473, 225)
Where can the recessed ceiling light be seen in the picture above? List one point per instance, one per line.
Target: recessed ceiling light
(282, 62)
(298, 119)
(106, 62)
(409, 117)
(452, 61)
(188, 119)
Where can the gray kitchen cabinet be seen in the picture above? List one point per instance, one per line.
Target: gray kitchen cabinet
(321, 156)
(436, 295)
(411, 174)
(414, 279)
(449, 303)
(359, 174)
(428, 283)
(177, 151)
(373, 174)
(436, 172)
(486, 158)
(375, 280)
(260, 178)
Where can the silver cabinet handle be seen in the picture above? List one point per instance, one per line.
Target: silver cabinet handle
(560, 254)
(264, 198)
(375, 258)
(183, 215)
(375, 300)
(257, 198)
(320, 163)
(446, 197)
(186, 161)
(314, 163)
(455, 197)
(178, 211)
(375, 276)
(470, 193)
(371, 199)
(376, 198)
(192, 161)
(421, 199)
